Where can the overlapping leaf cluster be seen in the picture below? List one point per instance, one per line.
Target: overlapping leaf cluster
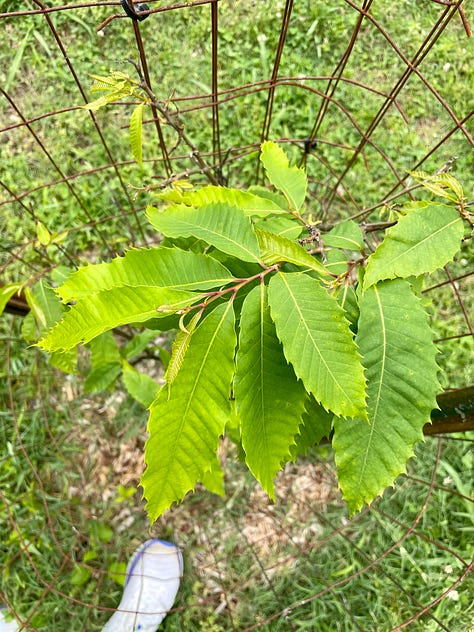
(271, 340)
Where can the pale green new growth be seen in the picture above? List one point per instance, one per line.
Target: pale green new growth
(180, 346)
(111, 308)
(276, 249)
(291, 181)
(136, 132)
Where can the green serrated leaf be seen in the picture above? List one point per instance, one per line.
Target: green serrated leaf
(140, 386)
(422, 241)
(275, 248)
(165, 267)
(399, 355)
(225, 227)
(291, 181)
(269, 400)
(184, 429)
(318, 342)
(100, 312)
(136, 120)
(253, 205)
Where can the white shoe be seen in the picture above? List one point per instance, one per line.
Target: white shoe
(10, 626)
(152, 581)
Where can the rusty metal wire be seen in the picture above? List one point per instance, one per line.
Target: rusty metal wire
(339, 136)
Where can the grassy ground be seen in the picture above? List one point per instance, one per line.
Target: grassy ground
(300, 561)
(67, 518)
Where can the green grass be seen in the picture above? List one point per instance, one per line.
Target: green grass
(228, 583)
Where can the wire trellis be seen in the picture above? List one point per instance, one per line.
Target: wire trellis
(300, 563)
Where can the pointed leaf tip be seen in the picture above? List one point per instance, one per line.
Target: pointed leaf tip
(291, 181)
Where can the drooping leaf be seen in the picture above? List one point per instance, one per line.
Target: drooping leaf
(100, 312)
(422, 241)
(165, 267)
(291, 181)
(275, 248)
(316, 424)
(318, 342)
(347, 235)
(253, 205)
(136, 132)
(221, 225)
(184, 429)
(269, 400)
(399, 355)
(443, 184)
(140, 386)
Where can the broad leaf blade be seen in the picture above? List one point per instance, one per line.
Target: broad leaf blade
(422, 241)
(164, 267)
(291, 181)
(347, 235)
(185, 429)
(275, 248)
(318, 342)
(225, 227)
(110, 308)
(251, 204)
(399, 355)
(268, 398)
